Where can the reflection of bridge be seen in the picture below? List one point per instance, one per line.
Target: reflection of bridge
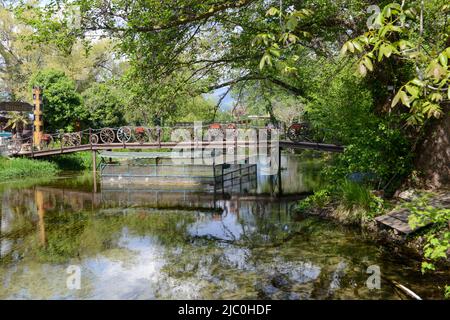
(158, 138)
(52, 199)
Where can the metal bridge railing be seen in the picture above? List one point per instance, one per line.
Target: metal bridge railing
(131, 136)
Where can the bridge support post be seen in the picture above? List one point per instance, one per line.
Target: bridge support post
(280, 185)
(94, 162)
(94, 169)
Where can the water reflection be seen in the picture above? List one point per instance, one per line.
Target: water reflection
(152, 245)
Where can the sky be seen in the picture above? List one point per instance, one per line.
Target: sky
(227, 103)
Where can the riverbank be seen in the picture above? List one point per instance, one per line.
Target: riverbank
(23, 168)
(360, 217)
(428, 244)
(15, 169)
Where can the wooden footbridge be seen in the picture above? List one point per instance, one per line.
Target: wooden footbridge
(144, 138)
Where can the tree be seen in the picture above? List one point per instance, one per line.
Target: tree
(417, 35)
(62, 105)
(14, 58)
(17, 121)
(197, 45)
(21, 56)
(195, 109)
(103, 104)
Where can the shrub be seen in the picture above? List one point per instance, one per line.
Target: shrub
(437, 243)
(318, 200)
(375, 144)
(75, 161)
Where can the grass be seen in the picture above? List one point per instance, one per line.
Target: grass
(355, 195)
(352, 202)
(21, 168)
(14, 169)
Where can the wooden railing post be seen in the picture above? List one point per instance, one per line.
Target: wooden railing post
(94, 162)
(240, 177)
(61, 136)
(223, 178)
(32, 147)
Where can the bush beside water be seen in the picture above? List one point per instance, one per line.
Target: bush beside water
(75, 161)
(19, 168)
(25, 168)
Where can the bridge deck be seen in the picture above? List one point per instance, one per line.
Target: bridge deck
(171, 145)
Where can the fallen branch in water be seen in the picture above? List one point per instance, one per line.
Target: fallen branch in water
(405, 290)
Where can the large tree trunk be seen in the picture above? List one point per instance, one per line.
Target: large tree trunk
(433, 154)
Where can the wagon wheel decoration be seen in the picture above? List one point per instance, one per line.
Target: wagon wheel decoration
(182, 135)
(214, 131)
(76, 139)
(156, 134)
(297, 131)
(14, 146)
(124, 134)
(46, 140)
(93, 139)
(233, 129)
(107, 135)
(66, 140)
(141, 135)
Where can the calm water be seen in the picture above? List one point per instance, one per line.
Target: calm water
(166, 244)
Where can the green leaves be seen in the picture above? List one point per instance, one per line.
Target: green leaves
(424, 93)
(263, 39)
(292, 23)
(413, 91)
(443, 59)
(418, 82)
(362, 69)
(431, 109)
(352, 46)
(274, 44)
(436, 70)
(368, 63)
(385, 50)
(422, 106)
(266, 60)
(288, 38)
(273, 11)
(438, 241)
(401, 96)
(63, 104)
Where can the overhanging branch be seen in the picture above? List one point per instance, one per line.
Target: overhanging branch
(179, 21)
(278, 82)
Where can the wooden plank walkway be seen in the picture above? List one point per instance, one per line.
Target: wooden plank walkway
(398, 219)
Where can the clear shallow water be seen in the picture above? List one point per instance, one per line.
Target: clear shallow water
(147, 244)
